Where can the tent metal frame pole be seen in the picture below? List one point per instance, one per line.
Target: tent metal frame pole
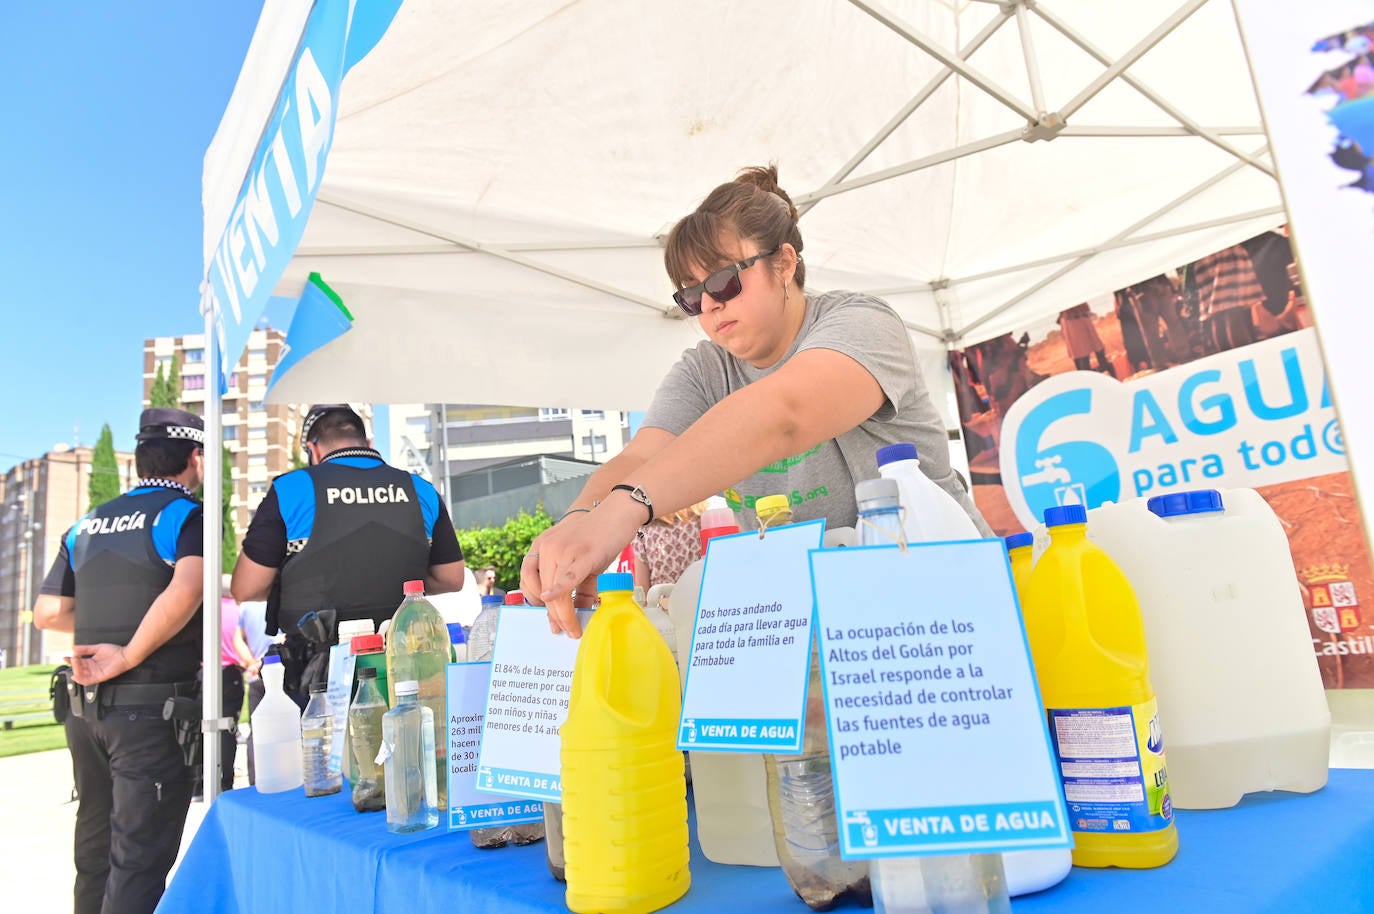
(919, 99)
(1159, 101)
(939, 158)
(974, 76)
(1125, 233)
(530, 247)
(1037, 90)
(1108, 130)
(211, 686)
(1119, 66)
(498, 252)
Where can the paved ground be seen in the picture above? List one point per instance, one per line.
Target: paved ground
(36, 820)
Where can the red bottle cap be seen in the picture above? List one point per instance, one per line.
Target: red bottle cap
(413, 588)
(367, 644)
(515, 598)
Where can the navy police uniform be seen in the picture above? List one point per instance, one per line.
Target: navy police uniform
(345, 535)
(132, 777)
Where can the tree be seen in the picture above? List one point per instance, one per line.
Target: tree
(229, 548)
(104, 484)
(157, 396)
(173, 391)
(504, 546)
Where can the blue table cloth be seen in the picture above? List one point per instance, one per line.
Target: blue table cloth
(258, 854)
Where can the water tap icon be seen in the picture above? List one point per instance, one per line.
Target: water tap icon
(689, 730)
(1050, 472)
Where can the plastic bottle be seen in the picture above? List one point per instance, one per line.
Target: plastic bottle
(480, 645)
(932, 514)
(1087, 639)
(317, 743)
(624, 797)
(417, 649)
(276, 733)
(1030, 871)
(728, 789)
(458, 643)
(348, 630)
(800, 792)
(365, 740)
(1232, 662)
(553, 812)
(369, 652)
(407, 747)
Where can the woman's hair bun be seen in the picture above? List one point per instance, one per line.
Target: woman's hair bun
(765, 178)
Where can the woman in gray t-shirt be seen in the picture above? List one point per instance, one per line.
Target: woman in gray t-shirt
(791, 394)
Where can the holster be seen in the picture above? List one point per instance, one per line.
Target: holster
(57, 693)
(305, 652)
(84, 701)
(184, 713)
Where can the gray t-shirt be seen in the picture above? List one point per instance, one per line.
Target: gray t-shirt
(820, 482)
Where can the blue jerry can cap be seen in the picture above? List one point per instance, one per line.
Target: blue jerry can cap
(455, 633)
(893, 452)
(614, 580)
(1017, 540)
(1060, 515)
(1200, 501)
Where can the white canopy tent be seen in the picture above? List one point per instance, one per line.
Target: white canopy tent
(501, 176)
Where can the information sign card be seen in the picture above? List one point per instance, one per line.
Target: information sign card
(751, 647)
(531, 681)
(937, 735)
(467, 806)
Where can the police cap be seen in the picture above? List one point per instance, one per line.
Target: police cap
(175, 424)
(320, 410)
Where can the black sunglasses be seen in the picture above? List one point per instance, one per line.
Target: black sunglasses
(722, 285)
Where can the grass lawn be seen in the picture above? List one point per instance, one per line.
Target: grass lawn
(24, 690)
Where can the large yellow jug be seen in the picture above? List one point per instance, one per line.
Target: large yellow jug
(624, 793)
(1087, 640)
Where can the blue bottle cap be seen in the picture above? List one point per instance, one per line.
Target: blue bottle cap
(270, 658)
(615, 580)
(1017, 540)
(455, 633)
(1200, 501)
(1060, 515)
(492, 599)
(892, 452)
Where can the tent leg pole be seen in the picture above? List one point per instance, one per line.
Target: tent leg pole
(211, 685)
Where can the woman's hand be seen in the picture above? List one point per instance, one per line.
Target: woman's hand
(560, 570)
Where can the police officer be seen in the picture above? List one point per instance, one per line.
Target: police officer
(336, 540)
(127, 583)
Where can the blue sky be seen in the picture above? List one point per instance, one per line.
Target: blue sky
(107, 111)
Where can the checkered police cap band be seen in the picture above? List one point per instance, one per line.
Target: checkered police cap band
(185, 433)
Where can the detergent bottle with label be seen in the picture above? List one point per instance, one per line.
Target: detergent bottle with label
(624, 796)
(1087, 641)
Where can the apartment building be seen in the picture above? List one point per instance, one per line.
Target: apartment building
(40, 499)
(484, 436)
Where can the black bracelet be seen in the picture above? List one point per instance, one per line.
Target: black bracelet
(640, 496)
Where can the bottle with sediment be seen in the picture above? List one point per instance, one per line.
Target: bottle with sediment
(480, 645)
(407, 748)
(365, 741)
(800, 791)
(317, 743)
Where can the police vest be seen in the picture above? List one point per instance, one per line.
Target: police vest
(368, 539)
(118, 576)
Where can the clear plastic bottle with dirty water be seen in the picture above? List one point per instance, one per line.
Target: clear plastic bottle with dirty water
(801, 794)
(418, 650)
(276, 724)
(317, 743)
(365, 739)
(407, 750)
(481, 644)
(941, 883)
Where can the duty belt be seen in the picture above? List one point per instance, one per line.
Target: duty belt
(126, 694)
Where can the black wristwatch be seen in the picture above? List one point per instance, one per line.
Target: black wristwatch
(640, 496)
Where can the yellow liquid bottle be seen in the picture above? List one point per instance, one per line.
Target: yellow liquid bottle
(1087, 640)
(624, 794)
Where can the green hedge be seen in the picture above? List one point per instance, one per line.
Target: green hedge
(504, 546)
